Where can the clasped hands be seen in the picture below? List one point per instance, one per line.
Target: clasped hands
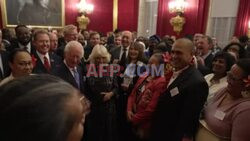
(107, 95)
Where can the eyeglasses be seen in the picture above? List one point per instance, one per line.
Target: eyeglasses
(230, 76)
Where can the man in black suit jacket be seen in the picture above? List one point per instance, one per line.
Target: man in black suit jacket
(69, 34)
(70, 71)
(177, 112)
(4, 66)
(44, 62)
(116, 53)
(94, 39)
(23, 39)
(119, 56)
(205, 57)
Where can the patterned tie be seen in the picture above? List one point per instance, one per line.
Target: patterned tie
(77, 77)
(46, 63)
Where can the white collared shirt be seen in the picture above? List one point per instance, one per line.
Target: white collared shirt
(41, 56)
(176, 74)
(28, 46)
(72, 70)
(214, 88)
(123, 51)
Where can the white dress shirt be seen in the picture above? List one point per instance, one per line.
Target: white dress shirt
(28, 46)
(123, 51)
(41, 56)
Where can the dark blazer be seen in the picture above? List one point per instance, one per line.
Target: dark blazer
(87, 51)
(177, 116)
(115, 53)
(14, 45)
(5, 61)
(64, 73)
(55, 62)
(207, 68)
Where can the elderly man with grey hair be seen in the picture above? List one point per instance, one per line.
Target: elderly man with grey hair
(70, 70)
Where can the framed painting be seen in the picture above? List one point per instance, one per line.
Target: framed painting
(33, 13)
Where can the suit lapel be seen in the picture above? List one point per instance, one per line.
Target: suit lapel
(69, 75)
(181, 78)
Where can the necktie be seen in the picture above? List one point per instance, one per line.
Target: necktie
(77, 77)
(123, 58)
(46, 63)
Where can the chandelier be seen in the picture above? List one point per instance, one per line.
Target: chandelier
(84, 7)
(177, 6)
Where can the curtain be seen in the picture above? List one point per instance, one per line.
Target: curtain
(128, 14)
(196, 15)
(147, 18)
(223, 29)
(243, 17)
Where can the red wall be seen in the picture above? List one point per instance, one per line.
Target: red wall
(196, 15)
(102, 17)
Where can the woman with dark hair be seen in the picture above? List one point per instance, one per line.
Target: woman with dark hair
(20, 63)
(221, 64)
(227, 115)
(136, 66)
(237, 49)
(41, 108)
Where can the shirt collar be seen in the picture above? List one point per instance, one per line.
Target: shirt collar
(41, 56)
(28, 46)
(71, 69)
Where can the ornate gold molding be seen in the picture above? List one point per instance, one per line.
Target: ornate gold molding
(115, 14)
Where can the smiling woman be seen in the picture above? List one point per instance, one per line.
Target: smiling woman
(221, 63)
(227, 115)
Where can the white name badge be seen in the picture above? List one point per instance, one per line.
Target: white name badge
(219, 115)
(174, 91)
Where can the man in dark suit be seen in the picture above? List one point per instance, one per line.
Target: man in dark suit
(44, 62)
(119, 56)
(69, 34)
(205, 56)
(70, 71)
(23, 39)
(94, 39)
(4, 66)
(177, 112)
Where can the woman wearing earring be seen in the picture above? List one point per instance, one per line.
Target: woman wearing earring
(227, 115)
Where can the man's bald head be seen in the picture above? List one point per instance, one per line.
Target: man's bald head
(186, 44)
(127, 38)
(182, 53)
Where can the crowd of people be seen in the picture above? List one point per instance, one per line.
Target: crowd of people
(70, 85)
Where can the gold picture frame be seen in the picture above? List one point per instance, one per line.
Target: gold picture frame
(33, 13)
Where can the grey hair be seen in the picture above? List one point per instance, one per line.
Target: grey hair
(73, 44)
